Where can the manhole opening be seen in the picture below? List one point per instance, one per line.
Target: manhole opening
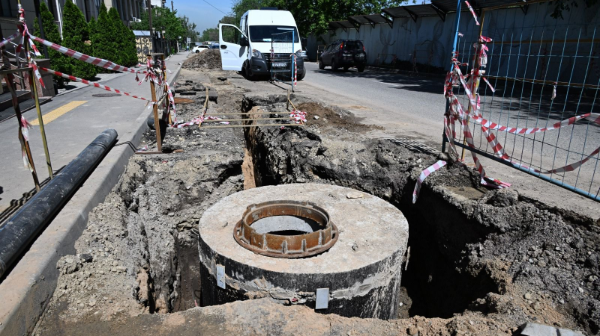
(286, 229)
(286, 225)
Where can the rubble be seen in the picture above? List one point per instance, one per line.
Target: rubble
(208, 59)
(482, 262)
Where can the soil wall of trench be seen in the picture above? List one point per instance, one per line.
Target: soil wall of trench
(472, 250)
(490, 259)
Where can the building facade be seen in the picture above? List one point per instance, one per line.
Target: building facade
(129, 11)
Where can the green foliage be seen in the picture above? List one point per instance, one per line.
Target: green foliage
(190, 29)
(162, 19)
(566, 5)
(93, 29)
(58, 61)
(313, 16)
(131, 57)
(117, 29)
(210, 34)
(103, 38)
(76, 36)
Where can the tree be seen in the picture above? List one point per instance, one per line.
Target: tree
(93, 29)
(116, 27)
(103, 39)
(190, 29)
(566, 5)
(162, 19)
(313, 18)
(58, 61)
(76, 36)
(210, 34)
(131, 48)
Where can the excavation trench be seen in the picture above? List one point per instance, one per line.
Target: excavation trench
(470, 250)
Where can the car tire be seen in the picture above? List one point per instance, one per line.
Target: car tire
(321, 64)
(248, 72)
(346, 68)
(361, 68)
(197, 51)
(334, 65)
(302, 74)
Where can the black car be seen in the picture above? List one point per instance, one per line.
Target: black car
(345, 54)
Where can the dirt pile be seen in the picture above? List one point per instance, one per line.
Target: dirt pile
(322, 116)
(208, 59)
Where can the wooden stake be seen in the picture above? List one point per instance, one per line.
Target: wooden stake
(155, 108)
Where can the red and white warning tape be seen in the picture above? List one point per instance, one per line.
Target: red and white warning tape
(24, 127)
(9, 39)
(298, 116)
(472, 12)
(456, 112)
(295, 70)
(423, 175)
(102, 63)
(100, 86)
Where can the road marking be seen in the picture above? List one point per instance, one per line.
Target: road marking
(55, 114)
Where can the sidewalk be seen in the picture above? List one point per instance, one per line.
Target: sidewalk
(74, 127)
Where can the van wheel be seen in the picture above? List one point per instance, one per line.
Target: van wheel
(247, 72)
(361, 68)
(334, 65)
(302, 74)
(321, 64)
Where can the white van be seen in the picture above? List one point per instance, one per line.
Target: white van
(249, 49)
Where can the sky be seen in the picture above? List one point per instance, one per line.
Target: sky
(202, 13)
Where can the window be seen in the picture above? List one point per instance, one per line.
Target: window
(353, 45)
(273, 33)
(230, 34)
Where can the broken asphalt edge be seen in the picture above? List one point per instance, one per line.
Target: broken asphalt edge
(25, 292)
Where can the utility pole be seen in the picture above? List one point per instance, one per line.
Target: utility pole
(172, 10)
(149, 2)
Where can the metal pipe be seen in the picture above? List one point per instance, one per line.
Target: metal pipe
(24, 227)
(454, 45)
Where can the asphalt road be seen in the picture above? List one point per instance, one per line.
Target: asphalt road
(415, 96)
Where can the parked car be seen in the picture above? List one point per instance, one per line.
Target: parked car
(345, 54)
(200, 48)
(214, 45)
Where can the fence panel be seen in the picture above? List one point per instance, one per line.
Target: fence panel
(539, 74)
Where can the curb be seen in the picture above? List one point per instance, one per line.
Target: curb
(27, 290)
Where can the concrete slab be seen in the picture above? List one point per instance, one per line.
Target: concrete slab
(27, 289)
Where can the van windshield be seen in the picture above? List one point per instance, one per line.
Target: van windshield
(273, 33)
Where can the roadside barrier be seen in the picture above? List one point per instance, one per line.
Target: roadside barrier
(457, 113)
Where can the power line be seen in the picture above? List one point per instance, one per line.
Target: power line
(214, 7)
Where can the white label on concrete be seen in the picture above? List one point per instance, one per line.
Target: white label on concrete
(221, 276)
(322, 298)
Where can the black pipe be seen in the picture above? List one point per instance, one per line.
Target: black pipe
(25, 226)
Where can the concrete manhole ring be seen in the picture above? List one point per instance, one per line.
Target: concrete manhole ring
(290, 229)
(360, 274)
